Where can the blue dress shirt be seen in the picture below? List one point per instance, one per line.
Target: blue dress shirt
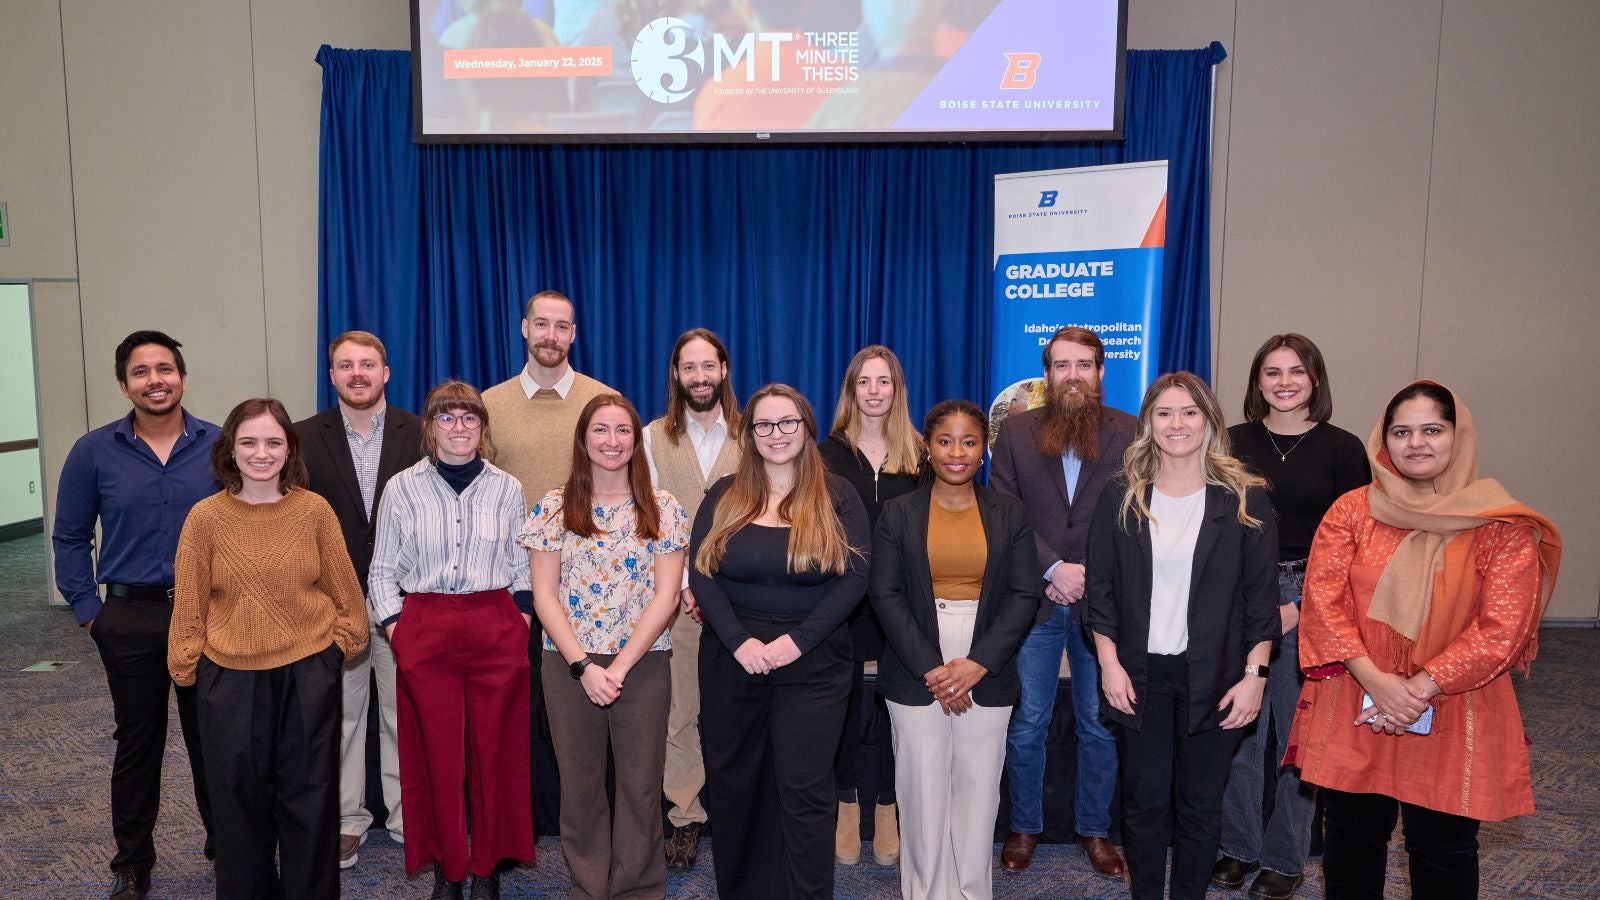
(112, 475)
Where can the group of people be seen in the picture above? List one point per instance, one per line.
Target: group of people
(709, 587)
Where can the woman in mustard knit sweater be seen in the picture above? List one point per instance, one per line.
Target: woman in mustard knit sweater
(266, 608)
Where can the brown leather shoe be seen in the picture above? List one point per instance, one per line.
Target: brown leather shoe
(1104, 857)
(1017, 853)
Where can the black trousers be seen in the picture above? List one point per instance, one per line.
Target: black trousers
(769, 742)
(132, 638)
(1172, 785)
(1355, 847)
(272, 743)
(857, 724)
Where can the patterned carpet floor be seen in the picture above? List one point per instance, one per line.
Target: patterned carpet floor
(56, 750)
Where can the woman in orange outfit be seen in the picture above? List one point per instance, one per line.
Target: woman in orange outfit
(1422, 591)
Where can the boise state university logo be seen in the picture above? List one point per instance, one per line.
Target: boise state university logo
(661, 58)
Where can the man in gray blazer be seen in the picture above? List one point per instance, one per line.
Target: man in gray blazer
(1056, 459)
(351, 449)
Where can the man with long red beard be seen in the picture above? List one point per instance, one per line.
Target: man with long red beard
(1056, 459)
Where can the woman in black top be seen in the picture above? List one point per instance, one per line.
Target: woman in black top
(1308, 464)
(779, 558)
(875, 447)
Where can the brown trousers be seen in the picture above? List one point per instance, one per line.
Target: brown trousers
(611, 854)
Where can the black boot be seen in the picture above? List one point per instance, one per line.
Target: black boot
(443, 889)
(486, 887)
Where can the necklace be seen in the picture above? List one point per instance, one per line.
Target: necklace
(1283, 455)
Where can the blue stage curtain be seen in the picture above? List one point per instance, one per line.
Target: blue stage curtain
(798, 255)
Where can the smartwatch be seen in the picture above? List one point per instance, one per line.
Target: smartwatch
(1259, 671)
(577, 668)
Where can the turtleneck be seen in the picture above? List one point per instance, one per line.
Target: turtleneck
(459, 476)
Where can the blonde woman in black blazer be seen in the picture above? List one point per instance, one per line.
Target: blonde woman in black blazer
(955, 584)
(1183, 607)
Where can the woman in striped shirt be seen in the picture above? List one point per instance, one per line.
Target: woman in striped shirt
(450, 586)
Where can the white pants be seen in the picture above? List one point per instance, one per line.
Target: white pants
(947, 779)
(354, 818)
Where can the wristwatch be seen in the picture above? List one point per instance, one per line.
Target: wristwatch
(577, 668)
(1259, 671)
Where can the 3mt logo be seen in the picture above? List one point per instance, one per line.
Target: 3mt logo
(662, 57)
(1047, 199)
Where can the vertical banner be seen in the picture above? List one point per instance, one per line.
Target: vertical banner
(1078, 247)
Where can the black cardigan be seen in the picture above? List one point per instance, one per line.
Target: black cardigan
(1233, 596)
(901, 586)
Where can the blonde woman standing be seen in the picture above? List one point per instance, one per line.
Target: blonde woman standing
(875, 447)
(1183, 606)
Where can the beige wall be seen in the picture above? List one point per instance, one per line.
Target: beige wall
(1408, 183)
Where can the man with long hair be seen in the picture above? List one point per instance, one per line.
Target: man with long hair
(1056, 459)
(688, 449)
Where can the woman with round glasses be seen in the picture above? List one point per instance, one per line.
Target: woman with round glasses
(779, 558)
(876, 448)
(450, 586)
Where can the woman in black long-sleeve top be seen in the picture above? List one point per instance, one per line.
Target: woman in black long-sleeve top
(955, 583)
(1182, 596)
(875, 447)
(779, 558)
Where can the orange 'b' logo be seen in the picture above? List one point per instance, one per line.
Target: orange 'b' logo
(1022, 70)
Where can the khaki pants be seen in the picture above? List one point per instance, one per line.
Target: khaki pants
(685, 771)
(354, 818)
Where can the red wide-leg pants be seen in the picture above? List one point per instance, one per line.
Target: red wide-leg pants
(463, 681)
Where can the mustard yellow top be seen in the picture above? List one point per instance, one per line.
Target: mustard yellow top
(957, 552)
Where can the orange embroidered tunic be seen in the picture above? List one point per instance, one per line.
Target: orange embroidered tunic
(1475, 761)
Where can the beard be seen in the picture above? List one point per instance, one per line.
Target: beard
(1072, 421)
(548, 354)
(701, 406)
(351, 402)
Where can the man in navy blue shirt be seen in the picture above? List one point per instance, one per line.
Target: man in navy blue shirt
(138, 476)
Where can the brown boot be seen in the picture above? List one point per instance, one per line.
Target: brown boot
(1017, 852)
(847, 836)
(886, 835)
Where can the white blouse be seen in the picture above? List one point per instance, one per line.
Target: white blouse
(1174, 526)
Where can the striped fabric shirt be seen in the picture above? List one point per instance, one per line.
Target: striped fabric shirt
(365, 452)
(432, 540)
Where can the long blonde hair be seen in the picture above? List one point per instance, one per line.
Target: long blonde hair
(816, 536)
(904, 443)
(1142, 462)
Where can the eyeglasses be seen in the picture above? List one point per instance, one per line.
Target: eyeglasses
(469, 421)
(786, 426)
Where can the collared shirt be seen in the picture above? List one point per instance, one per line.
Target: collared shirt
(562, 387)
(1071, 465)
(365, 453)
(111, 475)
(707, 444)
(433, 540)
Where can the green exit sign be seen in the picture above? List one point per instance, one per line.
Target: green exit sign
(5, 226)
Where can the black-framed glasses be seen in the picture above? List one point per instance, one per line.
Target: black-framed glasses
(469, 421)
(786, 426)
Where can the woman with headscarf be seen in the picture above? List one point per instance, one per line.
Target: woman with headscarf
(1422, 591)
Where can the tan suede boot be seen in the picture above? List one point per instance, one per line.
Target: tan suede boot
(886, 835)
(847, 837)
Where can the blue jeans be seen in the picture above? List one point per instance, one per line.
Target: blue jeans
(1039, 667)
(1282, 842)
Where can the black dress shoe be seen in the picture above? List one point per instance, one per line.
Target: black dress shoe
(442, 889)
(1270, 885)
(129, 884)
(486, 887)
(1229, 873)
(210, 849)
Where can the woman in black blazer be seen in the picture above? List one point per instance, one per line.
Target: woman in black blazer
(955, 585)
(1182, 599)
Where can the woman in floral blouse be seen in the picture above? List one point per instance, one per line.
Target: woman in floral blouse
(607, 561)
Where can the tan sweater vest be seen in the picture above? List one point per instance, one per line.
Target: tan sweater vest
(533, 437)
(678, 468)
